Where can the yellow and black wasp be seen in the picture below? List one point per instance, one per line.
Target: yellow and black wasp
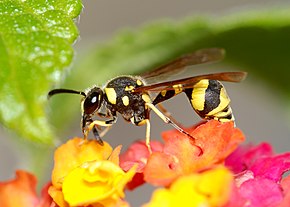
(132, 96)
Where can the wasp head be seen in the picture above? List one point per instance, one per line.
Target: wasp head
(92, 101)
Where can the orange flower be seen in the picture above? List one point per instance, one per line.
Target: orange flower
(181, 157)
(22, 192)
(285, 184)
(86, 173)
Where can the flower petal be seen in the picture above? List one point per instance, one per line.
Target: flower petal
(210, 188)
(260, 160)
(74, 153)
(180, 156)
(45, 200)
(261, 192)
(272, 167)
(138, 153)
(19, 192)
(244, 156)
(285, 183)
(114, 157)
(136, 181)
(162, 169)
(22, 192)
(57, 196)
(96, 182)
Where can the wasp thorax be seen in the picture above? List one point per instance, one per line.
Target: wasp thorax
(120, 96)
(93, 100)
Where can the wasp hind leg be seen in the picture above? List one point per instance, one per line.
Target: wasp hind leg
(165, 95)
(168, 114)
(167, 120)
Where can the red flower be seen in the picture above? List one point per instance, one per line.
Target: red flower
(138, 153)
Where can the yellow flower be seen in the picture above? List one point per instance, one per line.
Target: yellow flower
(87, 174)
(96, 182)
(74, 153)
(208, 189)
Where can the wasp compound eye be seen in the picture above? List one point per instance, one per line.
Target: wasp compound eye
(92, 102)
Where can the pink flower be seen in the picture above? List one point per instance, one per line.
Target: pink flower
(259, 179)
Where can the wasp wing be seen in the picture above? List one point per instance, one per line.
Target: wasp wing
(198, 57)
(189, 82)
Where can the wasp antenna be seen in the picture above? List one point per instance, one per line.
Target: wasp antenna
(61, 90)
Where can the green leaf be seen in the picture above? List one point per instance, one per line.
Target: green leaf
(36, 38)
(254, 40)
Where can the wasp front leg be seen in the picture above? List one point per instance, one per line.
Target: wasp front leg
(93, 124)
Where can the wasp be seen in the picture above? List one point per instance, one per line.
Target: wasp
(132, 96)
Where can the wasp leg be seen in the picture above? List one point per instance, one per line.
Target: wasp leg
(148, 135)
(168, 114)
(105, 131)
(92, 126)
(103, 115)
(165, 95)
(97, 136)
(168, 120)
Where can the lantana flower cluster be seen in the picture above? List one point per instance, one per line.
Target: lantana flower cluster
(213, 170)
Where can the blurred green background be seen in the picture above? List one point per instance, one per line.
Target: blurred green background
(128, 37)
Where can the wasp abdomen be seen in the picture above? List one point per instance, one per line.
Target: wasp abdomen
(168, 93)
(210, 100)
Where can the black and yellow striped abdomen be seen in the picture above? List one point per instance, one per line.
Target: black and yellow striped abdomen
(210, 100)
(207, 97)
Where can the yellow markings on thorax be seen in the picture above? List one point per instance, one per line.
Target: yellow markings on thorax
(198, 94)
(139, 82)
(129, 88)
(146, 98)
(177, 88)
(111, 94)
(125, 100)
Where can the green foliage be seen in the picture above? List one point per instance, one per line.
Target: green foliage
(36, 39)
